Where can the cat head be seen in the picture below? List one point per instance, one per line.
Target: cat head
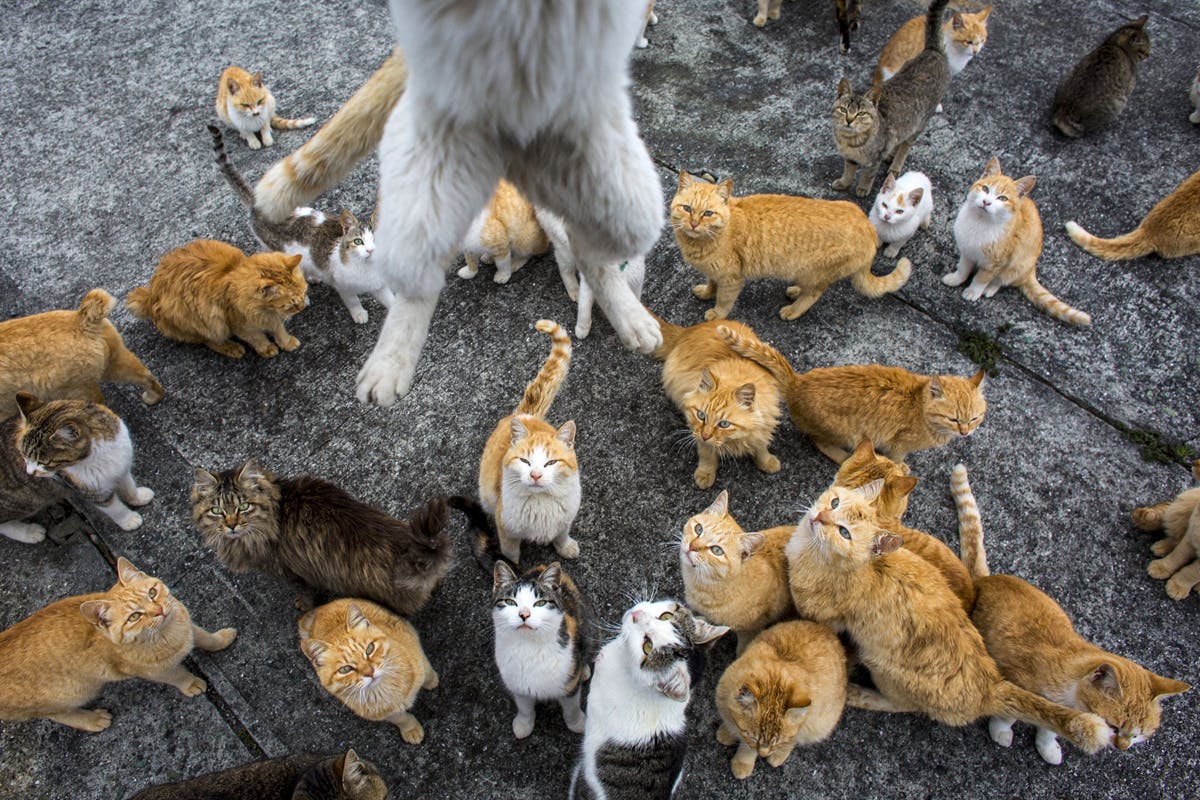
(237, 505)
(996, 195)
(855, 116)
(864, 466)
(358, 241)
(656, 642)
(968, 32)
(1127, 696)
(540, 458)
(532, 602)
(1133, 39)
(56, 434)
(135, 609)
(700, 209)
(895, 207)
(841, 527)
(713, 545)
(767, 710)
(955, 406)
(722, 412)
(247, 98)
(358, 663)
(346, 777)
(276, 283)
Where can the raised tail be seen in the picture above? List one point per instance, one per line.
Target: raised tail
(243, 190)
(670, 336)
(94, 309)
(283, 123)
(869, 284)
(1134, 244)
(140, 302)
(933, 25)
(540, 392)
(1088, 732)
(970, 526)
(760, 353)
(485, 543)
(1040, 296)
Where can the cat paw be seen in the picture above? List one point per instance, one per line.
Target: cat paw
(704, 477)
(773, 14)
(230, 349)
(193, 687)
(972, 293)
(431, 681)
(1162, 547)
(642, 43)
(582, 331)
(991, 290)
(1194, 117)
(790, 312)
(360, 315)
(98, 719)
(269, 351)
(131, 522)
(841, 184)
(502, 277)
(704, 291)
(1000, 731)
(862, 190)
(27, 532)
(891, 251)
(569, 549)
(726, 736)
(384, 378)
(1178, 589)
(1148, 519)
(954, 278)
(141, 496)
(636, 329)
(792, 292)
(522, 727)
(760, 20)
(467, 273)
(1050, 751)
(413, 734)
(152, 396)
(1090, 733)
(254, 143)
(1159, 569)
(769, 464)
(576, 724)
(224, 638)
(741, 768)
(289, 343)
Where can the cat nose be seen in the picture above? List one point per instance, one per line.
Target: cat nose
(369, 672)
(986, 202)
(523, 613)
(706, 435)
(535, 475)
(823, 518)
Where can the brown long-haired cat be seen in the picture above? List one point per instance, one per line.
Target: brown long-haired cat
(899, 411)
(1171, 229)
(911, 630)
(247, 105)
(963, 36)
(730, 404)
(733, 577)
(506, 231)
(370, 659)
(809, 243)
(1179, 551)
(787, 688)
(64, 355)
(55, 661)
(304, 776)
(208, 292)
(1037, 648)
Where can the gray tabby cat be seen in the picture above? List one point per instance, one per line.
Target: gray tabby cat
(884, 121)
(22, 495)
(298, 777)
(1097, 89)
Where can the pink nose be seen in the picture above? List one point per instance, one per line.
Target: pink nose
(523, 614)
(638, 616)
(536, 475)
(987, 203)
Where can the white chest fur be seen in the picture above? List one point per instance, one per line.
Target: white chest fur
(533, 663)
(975, 230)
(539, 516)
(108, 462)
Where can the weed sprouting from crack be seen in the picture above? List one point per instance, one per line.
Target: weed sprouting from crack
(1156, 446)
(983, 349)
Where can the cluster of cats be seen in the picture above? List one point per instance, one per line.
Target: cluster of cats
(847, 606)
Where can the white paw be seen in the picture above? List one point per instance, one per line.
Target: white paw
(467, 273)
(27, 532)
(522, 726)
(570, 549)
(643, 43)
(1049, 750)
(501, 277)
(1000, 731)
(359, 315)
(991, 290)
(254, 144)
(891, 251)
(384, 378)
(954, 278)
(637, 329)
(142, 495)
(131, 522)
(582, 331)
(577, 724)
(972, 293)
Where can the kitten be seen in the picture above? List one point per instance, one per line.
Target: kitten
(245, 104)
(298, 777)
(541, 642)
(1036, 647)
(787, 688)
(910, 629)
(1194, 96)
(999, 236)
(900, 412)
(529, 473)
(1171, 229)
(334, 251)
(507, 231)
(312, 531)
(884, 121)
(732, 577)
(963, 36)
(902, 206)
(370, 659)
(64, 355)
(58, 659)
(208, 292)
(1096, 90)
(635, 739)
(650, 18)
(810, 243)
(1177, 560)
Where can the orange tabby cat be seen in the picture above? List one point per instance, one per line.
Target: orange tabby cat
(58, 659)
(1037, 648)
(788, 688)
(810, 243)
(506, 231)
(208, 292)
(1171, 229)
(370, 659)
(247, 105)
(1178, 561)
(963, 36)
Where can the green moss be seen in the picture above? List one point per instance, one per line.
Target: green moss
(983, 349)
(1157, 447)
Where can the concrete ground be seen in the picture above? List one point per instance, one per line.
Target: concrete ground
(105, 165)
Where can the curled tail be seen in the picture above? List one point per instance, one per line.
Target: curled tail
(933, 25)
(1134, 244)
(1040, 296)
(540, 392)
(93, 310)
(760, 353)
(1088, 732)
(670, 336)
(243, 190)
(485, 543)
(283, 123)
(140, 302)
(970, 526)
(869, 284)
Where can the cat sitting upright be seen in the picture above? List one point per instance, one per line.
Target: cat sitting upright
(1096, 90)
(506, 231)
(245, 104)
(902, 205)
(1178, 551)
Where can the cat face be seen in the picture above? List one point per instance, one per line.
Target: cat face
(539, 461)
(896, 207)
(247, 99)
(855, 116)
(719, 413)
(955, 406)
(841, 527)
(713, 545)
(236, 504)
(57, 434)
(1128, 697)
(768, 717)
(278, 283)
(865, 465)
(1133, 39)
(657, 636)
(358, 780)
(700, 210)
(358, 241)
(138, 607)
(531, 602)
(968, 32)
(362, 666)
(996, 195)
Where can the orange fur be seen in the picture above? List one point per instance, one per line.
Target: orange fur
(965, 31)
(247, 105)
(508, 232)
(1171, 229)
(1178, 552)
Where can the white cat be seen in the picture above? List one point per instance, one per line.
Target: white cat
(902, 206)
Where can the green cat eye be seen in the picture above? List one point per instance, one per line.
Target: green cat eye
(370, 648)
(134, 617)
(539, 604)
(358, 241)
(708, 213)
(687, 209)
(666, 616)
(346, 670)
(1002, 198)
(700, 415)
(243, 506)
(551, 462)
(717, 550)
(152, 593)
(724, 424)
(647, 646)
(508, 601)
(215, 511)
(844, 532)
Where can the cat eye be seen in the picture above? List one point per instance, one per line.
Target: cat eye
(346, 670)
(647, 646)
(984, 189)
(215, 511)
(370, 648)
(844, 532)
(551, 462)
(539, 603)
(358, 241)
(834, 503)
(708, 213)
(698, 529)
(700, 415)
(524, 461)
(1002, 198)
(687, 209)
(508, 601)
(717, 550)
(152, 593)
(724, 424)
(666, 616)
(243, 506)
(134, 617)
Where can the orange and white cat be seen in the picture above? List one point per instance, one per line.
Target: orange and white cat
(1178, 552)
(506, 232)
(245, 104)
(963, 36)
(1171, 229)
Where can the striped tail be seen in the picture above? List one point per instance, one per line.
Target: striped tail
(140, 302)
(94, 309)
(970, 526)
(760, 353)
(540, 392)
(670, 336)
(871, 285)
(243, 190)
(1040, 296)
(1132, 245)
(285, 124)
(933, 25)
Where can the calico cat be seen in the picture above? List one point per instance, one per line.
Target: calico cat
(1036, 647)
(334, 251)
(299, 777)
(58, 659)
(1096, 90)
(245, 104)
(884, 121)
(732, 577)
(64, 355)
(810, 243)
(541, 639)
(635, 739)
(1171, 229)
(311, 531)
(1178, 561)
(963, 36)
(208, 292)
(529, 473)
(999, 236)
(787, 688)
(911, 631)
(506, 231)
(900, 412)
(902, 205)
(370, 659)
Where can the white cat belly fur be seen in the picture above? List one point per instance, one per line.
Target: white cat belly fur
(248, 123)
(108, 469)
(538, 517)
(975, 230)
(533, 663)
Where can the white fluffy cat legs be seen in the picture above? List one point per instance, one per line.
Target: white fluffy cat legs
(1048, 747)
(26, 532)
(131, 493)
(960, 275)
(353, 305)
(388, 373)
(1000, 729)
(583, 312)
(125, 518)
(565, 546)
(522, 723)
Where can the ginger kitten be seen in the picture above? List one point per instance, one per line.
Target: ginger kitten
(963, 36)
(1096, 90)
(298, 777)
(506, 231)
(1178, 561)
(1171, 229)
(245, 104)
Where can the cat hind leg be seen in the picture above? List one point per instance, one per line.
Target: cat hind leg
(573, 715)
(119, 513)
(27, 532)
(1048, 747)
(1001, 730)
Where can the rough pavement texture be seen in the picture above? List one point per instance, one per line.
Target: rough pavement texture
(105, 165)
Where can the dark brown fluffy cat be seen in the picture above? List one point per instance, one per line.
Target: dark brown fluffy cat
(298, 777)
(1096, 90)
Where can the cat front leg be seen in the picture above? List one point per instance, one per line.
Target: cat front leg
(1047, 746)
(504, 266)
(565, 546)
(268, 138)
(1150, 518)
(866, 179)
(801, 303)
(91, 720)
(1181, 583)
(728, 290)
(125, 367)
(509, 547)
(705, 291)
(979, 284)
(27, 532)
(212, 642)
(706, 471)
(573, 715)
(726, 735)
(132, 494)
(1000, 729)
(119, 513)
(764, 8)
(777, 758)
(179, 677)
(251, 139)
(384, 296)
(960, 275)
(742, 763)
(847, 180)
(258, 340)
(228, 348)
(765, 461)
(899, 156)
(1168, 565)
(522, 724)
(285, 339)
(353, 305)
(410, 729)
(471, 268)
(832, 449)
(893, 249)
(583, 311)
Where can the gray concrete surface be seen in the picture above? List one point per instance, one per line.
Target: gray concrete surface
(105, 165)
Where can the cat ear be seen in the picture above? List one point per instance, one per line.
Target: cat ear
(751, 543)
(977, 380)
(1140, 22)
(256, 79)
(502, 575)
(27, 403)
(720, 506)
(355, 618)
(233, 86)
(566, 434)
(935, 388)
(707, 384)
(889, 184)
(294, 263)
(127, 573)
(314, 651)
(706, 632)
(346, 219)
(97, 612)
(725, 188)
(865, 449)
(904, 484)
(551, 576)
(886, 542)
(983, 12)
(874, 93)
(870, 491)
(1163, 687)
(746, 699)
(354, 770)
(745, 394)
(796, 714)
(844, 88)
(685, 179)
(915, 196)
(517, 429)
(956, 21)
(675, 684)
(203, 480)
(251, 472)
(1104, 677)
(992, 168)
(1025, 185)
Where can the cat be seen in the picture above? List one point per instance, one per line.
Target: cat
(767, 9)
(545, 105)
(731, 577)
(64, 355)
(998, 232)
(899, 411)
(298, 777)
(80, 445)
(963, 36)
(207, 292)
(1096, 90)
(1037, 648)
(1194, 96)
(312, 531)
(635, 738)
(57, 659)
(847, 18)
(529, 472)
(539, 620)
(245, 104)
(902, 205)
(884, 121)
(810, 243)
(648, 19)
(1171, 229)
(334, 251)
(370, 659)
(507, 231)
(787, 688)
(1178, 561)
(910, 630)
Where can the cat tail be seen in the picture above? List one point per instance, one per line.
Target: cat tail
(93, 310)
(1088, 732)
(760, 353)
(283, 123)
(140, 302)
(244, 192)
(1040, 296)
(933, 25)
(485, 543)
(540, 392)
(353, 132)
(1132, 245)
(428, 521)
(670, 336)
(970, 525)
(869, 284)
